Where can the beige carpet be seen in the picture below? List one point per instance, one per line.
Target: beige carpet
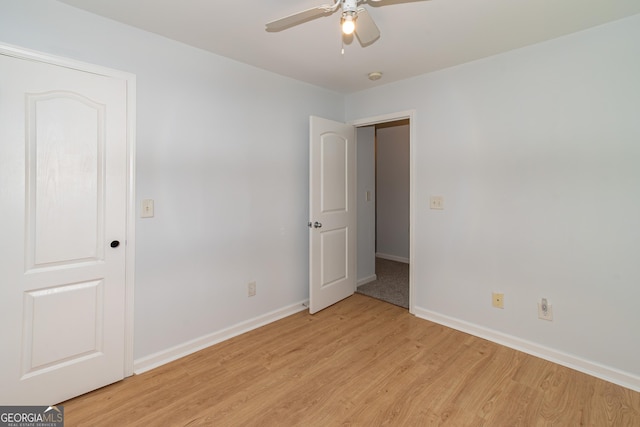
(391, 285)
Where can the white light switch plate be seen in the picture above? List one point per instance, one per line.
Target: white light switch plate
(147, 208)
(436, 202)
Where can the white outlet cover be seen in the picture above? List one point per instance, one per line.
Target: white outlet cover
(548, 315)
(251, 289)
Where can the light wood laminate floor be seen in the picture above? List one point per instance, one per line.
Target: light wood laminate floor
(361, 362)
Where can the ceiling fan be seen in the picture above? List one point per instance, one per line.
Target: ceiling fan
(354, 18)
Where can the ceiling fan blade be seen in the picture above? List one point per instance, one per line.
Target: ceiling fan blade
(299, 18)
(366, 30)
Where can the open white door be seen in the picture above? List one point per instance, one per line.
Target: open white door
(63, 210)
(332, 210)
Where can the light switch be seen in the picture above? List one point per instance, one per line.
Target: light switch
(147, 208)
(436, 202)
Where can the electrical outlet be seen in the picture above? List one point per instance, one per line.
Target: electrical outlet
(545, 311)
(497, 300)
(251, 289)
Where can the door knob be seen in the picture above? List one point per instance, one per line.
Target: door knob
(317, 224)
(115, 244)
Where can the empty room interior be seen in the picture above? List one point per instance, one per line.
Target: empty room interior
(195, 195)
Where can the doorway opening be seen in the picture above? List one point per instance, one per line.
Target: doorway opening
(384, 210)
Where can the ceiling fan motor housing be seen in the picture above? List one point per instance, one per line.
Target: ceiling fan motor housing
(349, 6)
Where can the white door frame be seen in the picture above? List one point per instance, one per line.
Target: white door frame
(410, 114)
(22, 53)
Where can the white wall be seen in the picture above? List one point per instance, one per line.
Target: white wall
(537, 155)
(222, 147)
(392, 189)
(365, 137)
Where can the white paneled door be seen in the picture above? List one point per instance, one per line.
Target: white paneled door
(332, 210)
(63, 211)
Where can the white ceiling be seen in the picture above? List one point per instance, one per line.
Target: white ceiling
(417, 36)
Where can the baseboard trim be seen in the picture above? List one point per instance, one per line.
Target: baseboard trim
(393, 258)
(366, 280)
(162, 357)
(624, 379)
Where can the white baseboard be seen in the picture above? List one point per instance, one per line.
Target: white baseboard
(366, 280)
(392, 257)
(169, 355)
(624, 379)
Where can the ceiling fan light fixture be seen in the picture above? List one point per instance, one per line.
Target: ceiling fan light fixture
(348, 23)
(366, 32)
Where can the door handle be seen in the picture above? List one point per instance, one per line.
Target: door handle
(115, 244)
(317, 224)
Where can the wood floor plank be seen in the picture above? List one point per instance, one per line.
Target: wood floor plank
(361, 362)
